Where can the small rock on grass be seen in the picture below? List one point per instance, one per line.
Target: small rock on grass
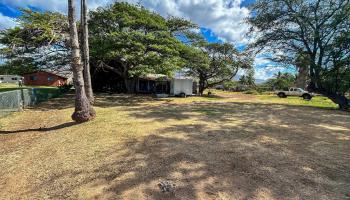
(167, 186)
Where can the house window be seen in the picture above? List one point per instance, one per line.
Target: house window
(50, 78)
(33, 78)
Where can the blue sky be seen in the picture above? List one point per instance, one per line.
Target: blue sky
(221, 20)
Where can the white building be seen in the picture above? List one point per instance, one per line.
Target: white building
(10, 78)
(181, 86)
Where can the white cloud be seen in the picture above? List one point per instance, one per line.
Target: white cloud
(262, 73)
(261, 60)
(6, 22)
(224, 17)
(267, 72)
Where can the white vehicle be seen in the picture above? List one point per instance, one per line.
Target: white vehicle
(295, 92)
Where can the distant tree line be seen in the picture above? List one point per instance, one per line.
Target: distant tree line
(280, 81)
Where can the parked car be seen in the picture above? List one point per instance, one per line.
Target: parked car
(295, 92)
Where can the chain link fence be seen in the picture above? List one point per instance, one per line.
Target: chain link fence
(17, 100)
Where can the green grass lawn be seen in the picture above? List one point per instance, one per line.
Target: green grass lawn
(4, 87)
(318, 101)
(218, 95)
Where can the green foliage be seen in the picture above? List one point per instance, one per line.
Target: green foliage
(179, 26)
(40, 40)
(248, 79)
(18, 66)
(319, 30)
(65, 88)
(281, 81)
(214, 63)
(318, 101)
(230, 84)
(42, 28)
(131, 40)
(4, 87)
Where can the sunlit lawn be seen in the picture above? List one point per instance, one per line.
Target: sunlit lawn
(317, 101)
(4, 87)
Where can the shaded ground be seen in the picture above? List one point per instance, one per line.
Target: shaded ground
(211, 148)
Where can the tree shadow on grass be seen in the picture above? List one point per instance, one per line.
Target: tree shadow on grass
(116, 100)
(41, 129)
(204, 164)
(102, 100)
(269, 154)
(59, 103)
(222, 111)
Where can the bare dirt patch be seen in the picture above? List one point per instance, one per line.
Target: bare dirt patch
(208, 149)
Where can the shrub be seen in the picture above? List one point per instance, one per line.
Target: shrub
(65, 88)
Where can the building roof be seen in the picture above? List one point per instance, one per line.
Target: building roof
(62, 74)
(183, 78)
(154, 77)
(10, 75)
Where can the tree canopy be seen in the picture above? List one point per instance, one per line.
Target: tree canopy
(319, 28)
(126, 40)
(131, 40)
(248, 78)
(214, 63)
(280, 81)
(39, 41)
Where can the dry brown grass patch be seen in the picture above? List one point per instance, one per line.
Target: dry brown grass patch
(210, 148)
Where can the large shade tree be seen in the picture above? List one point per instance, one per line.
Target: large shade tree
(214, 63)
(131, 41)
(319, 29)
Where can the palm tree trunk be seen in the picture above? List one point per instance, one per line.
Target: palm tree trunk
(86, 56)
(83, 110)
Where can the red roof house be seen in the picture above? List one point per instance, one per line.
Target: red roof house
(43, 78)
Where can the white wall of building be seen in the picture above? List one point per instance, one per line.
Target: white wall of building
(179, 86)
(9, 78)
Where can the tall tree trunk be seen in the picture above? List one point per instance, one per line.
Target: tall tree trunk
(301, 80)
(86, 52)
(201, 86)
(83, 110)
(129, 85)
(341, 100)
